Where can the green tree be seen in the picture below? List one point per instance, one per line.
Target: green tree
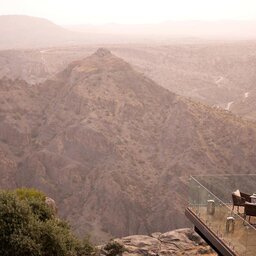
(36, 201)
(28, 228)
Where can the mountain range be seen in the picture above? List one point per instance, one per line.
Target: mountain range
(20, 31)
(219, 29)
(114, 148)
(219, 74)
(23, 32)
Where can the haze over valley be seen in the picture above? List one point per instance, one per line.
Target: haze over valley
(111, 120)
(220, 74)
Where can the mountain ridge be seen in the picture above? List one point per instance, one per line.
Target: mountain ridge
(22, 31)
(115, 149)
(188, 29)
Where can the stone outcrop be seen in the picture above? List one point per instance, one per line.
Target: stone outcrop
(102, 52)
(51, 203)
(177, 242)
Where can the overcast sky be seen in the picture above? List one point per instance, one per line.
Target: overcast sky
(65, 12)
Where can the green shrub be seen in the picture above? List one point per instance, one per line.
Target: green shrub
(84, 248)
(36, 201)
(113, 248)
(29, 194)
(16, 227)
(28, 228)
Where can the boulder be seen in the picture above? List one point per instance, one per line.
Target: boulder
(51, 203)
(177, 242)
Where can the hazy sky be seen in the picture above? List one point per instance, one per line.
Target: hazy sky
(130, 11)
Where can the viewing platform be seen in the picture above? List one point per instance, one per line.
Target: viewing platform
(223, 209)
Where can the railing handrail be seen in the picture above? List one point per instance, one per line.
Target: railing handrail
(192, 177)
(221, 175)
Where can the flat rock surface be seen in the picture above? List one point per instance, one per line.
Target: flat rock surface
(178, 242)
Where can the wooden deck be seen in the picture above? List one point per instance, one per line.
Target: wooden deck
(242, 241)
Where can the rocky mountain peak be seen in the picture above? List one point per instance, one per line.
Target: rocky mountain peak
(102, 52)
(101, 60)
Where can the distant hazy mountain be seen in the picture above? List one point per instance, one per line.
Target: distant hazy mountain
(18, 31)
(199, 29)
(113, 148)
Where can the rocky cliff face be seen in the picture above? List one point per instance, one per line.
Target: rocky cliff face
(115, 149)
(177, 242)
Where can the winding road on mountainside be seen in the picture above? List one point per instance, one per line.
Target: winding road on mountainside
(219, 80)
(42, 52)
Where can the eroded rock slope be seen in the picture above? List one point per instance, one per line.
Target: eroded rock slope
(115, 149)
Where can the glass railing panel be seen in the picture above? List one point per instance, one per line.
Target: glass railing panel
(222, 186)
(216, 211)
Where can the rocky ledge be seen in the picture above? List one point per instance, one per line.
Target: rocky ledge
(177, 242)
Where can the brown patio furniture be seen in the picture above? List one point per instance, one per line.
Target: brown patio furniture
(249, 210)
(239, 199)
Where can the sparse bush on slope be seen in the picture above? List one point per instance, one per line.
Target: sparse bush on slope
(113, 248)
(28, 227)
